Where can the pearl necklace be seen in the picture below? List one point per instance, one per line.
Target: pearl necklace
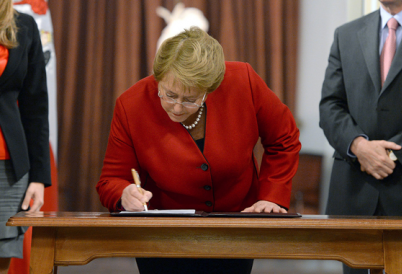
(196, 120)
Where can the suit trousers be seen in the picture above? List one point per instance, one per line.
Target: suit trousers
(347, 270)
(194, 266)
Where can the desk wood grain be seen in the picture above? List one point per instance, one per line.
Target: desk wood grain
(76, 238)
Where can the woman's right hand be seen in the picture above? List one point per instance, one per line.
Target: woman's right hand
(133, 200)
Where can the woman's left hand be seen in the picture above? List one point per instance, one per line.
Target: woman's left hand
(35, 192)
(265, 206)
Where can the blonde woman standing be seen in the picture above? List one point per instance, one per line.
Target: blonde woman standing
(24, 129)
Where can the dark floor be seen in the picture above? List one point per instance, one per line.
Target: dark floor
(128, 265)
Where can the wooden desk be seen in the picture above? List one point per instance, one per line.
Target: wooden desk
(67, 238)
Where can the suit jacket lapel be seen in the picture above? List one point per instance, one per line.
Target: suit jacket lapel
(15, 55)
(369, 43)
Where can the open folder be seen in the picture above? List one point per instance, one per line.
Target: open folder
(196, 213)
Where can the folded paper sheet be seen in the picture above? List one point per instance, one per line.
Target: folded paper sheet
(196, 213)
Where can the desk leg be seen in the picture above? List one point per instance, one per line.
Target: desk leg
(392, 251)
(42, 250)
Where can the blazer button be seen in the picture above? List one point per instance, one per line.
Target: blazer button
(382, 109)
(204, 167)
(208, 203)
(207, 187)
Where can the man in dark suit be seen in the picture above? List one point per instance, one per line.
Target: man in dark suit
(361, 116)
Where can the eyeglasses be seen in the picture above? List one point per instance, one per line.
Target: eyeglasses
(170, 100)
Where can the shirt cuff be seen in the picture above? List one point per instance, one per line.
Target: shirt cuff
(349, 152)
(119, 207)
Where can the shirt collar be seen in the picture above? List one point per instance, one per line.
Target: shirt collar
(385, 16)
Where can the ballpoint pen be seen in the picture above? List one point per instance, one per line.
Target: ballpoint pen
(138, 184)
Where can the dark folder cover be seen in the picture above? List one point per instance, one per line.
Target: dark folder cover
(188, 213)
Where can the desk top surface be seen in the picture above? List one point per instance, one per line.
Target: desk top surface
(102, 219)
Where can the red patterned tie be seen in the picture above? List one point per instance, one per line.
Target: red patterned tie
(389, 49)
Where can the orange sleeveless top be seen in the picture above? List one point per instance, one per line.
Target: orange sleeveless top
(3, 63)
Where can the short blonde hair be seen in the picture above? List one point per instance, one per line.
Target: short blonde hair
(194, 59)
(8, 27)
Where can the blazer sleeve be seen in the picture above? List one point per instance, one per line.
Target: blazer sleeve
(339, 126)
(120, 158)
(280, 139)
(33, 108)
(398, 140)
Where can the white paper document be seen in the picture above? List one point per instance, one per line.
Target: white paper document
(162, 211)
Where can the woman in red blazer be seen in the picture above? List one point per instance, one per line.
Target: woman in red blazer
(189, 130)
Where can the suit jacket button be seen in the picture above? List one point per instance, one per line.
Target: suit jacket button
(204, 167)
(207, 187)
(208, 203)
